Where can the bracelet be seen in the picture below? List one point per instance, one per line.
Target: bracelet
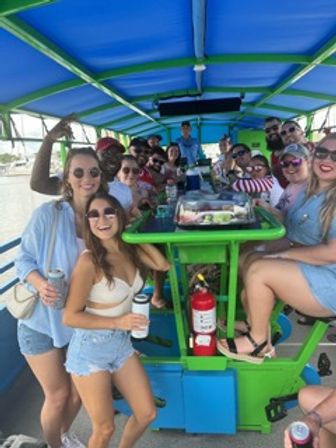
(316, 417)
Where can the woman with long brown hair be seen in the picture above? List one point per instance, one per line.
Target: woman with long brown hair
(104, 282)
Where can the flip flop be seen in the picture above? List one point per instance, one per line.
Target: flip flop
(254, 357)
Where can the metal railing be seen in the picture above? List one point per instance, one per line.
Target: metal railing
(5, 247)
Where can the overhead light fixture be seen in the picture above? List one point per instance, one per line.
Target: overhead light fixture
(199, 67)
(198, 107)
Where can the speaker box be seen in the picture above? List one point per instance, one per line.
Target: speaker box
(199, 107)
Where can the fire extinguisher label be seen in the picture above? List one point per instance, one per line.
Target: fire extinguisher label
(204, 321)
(203, 339)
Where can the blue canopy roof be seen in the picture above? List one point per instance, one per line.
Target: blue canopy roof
(112, 61)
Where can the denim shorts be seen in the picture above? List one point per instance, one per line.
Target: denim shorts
(32, 342)
(93, 351)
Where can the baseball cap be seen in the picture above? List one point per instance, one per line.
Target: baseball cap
(105, 143)
(295, 150)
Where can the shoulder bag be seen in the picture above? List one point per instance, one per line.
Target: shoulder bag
(22, 303)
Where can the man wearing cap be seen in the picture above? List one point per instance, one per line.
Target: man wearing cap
(190, 147)
(294, 162)
(109, 151)
(154, 140)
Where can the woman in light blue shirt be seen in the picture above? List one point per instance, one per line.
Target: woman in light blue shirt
(42, 337)
(304, 277)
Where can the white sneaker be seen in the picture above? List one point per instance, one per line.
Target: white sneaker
(70, 440)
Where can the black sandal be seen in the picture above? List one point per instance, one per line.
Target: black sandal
(254, 357)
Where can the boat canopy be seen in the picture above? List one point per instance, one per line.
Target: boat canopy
(127, 65)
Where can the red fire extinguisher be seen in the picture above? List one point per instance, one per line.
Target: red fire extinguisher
(203, 316)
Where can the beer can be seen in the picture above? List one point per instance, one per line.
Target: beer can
(56, 278)
(140, 305)
(300, 435)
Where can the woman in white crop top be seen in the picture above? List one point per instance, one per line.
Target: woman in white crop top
(104, 281)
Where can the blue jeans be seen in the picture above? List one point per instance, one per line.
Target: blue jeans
(32, 342)
(91, 351)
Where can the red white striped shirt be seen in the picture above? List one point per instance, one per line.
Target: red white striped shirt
(264, 184)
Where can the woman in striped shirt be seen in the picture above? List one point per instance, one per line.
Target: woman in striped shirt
(261, 184)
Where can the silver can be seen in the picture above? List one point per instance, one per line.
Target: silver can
(140, 305)
(56, 278)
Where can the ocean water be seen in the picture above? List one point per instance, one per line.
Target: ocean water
(17, 202)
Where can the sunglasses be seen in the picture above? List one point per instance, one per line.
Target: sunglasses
(295, 163)
(273, 128)
(289, 130)
(108, 212)
(142, 151)
(256, 168)
(322, 153)
(161, 162)
(127, 170)
(239, 153)
(79, 172)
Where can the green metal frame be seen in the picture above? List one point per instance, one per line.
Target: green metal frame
(256, 384)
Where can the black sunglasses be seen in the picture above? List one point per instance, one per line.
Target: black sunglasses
(108, 212)
(287, 163)
(161, 162)
(289, 130)
(274, 128)
(144, 151)
(239, 153)
(322, 153)
(127, 170)
(80, 172)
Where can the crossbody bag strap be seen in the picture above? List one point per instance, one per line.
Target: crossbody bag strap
(52, 240)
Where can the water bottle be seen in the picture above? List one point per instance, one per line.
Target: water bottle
(56, 278)
(300, 435)
(140, 305)
(171, 191)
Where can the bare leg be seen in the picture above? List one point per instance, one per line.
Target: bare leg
(264, 281)
(71, 409)
(49, 370)
(309, 398)
(132, 381)
(96, 393)
(158, 300)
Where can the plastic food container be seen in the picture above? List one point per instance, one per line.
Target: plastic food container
(217, 211)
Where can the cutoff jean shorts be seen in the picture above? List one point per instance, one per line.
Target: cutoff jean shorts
(92, 351)
(32, 342)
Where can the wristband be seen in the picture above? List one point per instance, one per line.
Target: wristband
(316, 417)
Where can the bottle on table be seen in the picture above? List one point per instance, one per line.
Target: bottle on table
(171, 191)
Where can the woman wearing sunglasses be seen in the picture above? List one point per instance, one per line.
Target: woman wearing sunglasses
(302, 277)
(143, 195)
(42, 337)
(261, 184)
(104, 282)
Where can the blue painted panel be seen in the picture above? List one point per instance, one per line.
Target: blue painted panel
(11, 360)
(166, 383)
(210, 400)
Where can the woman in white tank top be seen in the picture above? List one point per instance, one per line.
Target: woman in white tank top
(107, 276)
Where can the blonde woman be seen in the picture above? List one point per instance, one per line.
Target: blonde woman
(303, 277)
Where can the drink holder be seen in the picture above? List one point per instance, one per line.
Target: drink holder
(276, 409)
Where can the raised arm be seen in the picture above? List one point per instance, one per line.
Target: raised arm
(40, 180)
(152, 257)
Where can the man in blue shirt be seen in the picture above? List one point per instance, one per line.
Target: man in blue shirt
(190, 147)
